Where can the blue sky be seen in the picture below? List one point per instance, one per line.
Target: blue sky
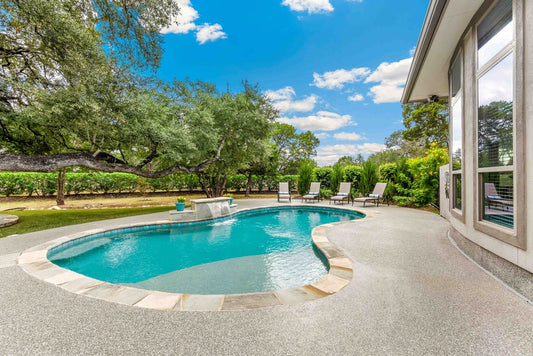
(335, 67)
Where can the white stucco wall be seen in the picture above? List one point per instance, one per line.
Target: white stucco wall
(522, 258)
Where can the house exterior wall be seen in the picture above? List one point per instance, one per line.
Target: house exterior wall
(464, 224)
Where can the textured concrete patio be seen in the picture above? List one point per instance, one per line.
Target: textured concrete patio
(412, 292)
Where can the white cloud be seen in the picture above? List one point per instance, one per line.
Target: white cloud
(348, 136)
(328, 155)
(322, 135)
(327, 160)
(336, 79)
(184, 23)
(369, 148)
(336, 150)
(311, 6)
(412, 51)
(391, 78)
(356, 97)
(208, 32)
(322, 121)
(283, 100)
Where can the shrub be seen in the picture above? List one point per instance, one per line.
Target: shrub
(369, 177)
(305, 174)
(323, 175)
(325, 193)
(337, 176)
(387, 172)
(236, 182)
(292, 179)
(353, 175)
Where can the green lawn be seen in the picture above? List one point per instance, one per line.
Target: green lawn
(35, 220)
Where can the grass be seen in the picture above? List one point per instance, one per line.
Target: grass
(36, 220)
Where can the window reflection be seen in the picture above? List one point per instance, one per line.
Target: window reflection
(457, 143)
(495, 115)
(498, 198)
(495, 31)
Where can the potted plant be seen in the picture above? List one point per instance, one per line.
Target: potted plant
(230, 196)
(180, 203)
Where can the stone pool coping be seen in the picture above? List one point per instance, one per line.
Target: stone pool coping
(34, 261)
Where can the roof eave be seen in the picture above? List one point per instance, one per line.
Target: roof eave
(431, 22)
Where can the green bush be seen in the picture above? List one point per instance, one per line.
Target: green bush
(337, 176)
(305, 174)
(322, 175)
(387, 172)
(236, 182)
(369, 177)
(325, 193)
(292, 179)
(353, 175)
(418, 184)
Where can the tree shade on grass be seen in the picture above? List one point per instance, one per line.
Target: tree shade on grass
(36, 220)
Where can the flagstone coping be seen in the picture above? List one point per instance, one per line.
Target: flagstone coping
(34, 261)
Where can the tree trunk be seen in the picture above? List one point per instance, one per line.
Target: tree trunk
(249, 185)
(60, 199)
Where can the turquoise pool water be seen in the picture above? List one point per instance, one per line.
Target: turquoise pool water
(255, 251)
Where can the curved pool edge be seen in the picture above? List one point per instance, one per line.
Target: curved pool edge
(34, 261)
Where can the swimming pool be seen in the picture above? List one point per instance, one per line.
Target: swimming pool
(254, 251)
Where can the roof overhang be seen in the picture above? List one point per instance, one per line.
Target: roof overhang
(445, 23)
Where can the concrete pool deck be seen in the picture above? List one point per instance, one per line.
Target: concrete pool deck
(412, 292)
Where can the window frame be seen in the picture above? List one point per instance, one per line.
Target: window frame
(515, 236)
(457, 213)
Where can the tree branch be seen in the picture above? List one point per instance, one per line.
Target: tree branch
(102, 162)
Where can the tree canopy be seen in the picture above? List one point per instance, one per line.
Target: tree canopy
(74, 92)
(293, 147)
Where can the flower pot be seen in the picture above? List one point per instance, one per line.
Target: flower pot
(180, 206)
(230, 201)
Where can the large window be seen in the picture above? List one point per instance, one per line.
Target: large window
(495, 117)
(456, 130)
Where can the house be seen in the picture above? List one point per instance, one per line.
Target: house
(479, 55)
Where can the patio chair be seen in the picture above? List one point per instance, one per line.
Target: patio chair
(492, 196)
(284, 191)
(376, 195)
(343, 194)
(314, 192)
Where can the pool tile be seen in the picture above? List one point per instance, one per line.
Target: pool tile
(341, 262)
(330, 284)
(196, 302)
(81, 284)
(64, 277)
(48, 272)
(126, 295)
(249, 301)
(33, 256)
(295, 295)
(34, 267)
(159, 300)
(342, 273)
(102, 290)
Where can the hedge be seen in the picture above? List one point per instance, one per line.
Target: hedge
(95, 183)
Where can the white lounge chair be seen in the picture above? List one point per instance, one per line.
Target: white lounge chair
(376, 195)
(284, 191)
(314, 192)
(343, 194)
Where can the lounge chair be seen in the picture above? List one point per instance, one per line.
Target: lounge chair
(284, 192)
(314, 192)
(492, 196)
(376, 195)
(344, 193)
